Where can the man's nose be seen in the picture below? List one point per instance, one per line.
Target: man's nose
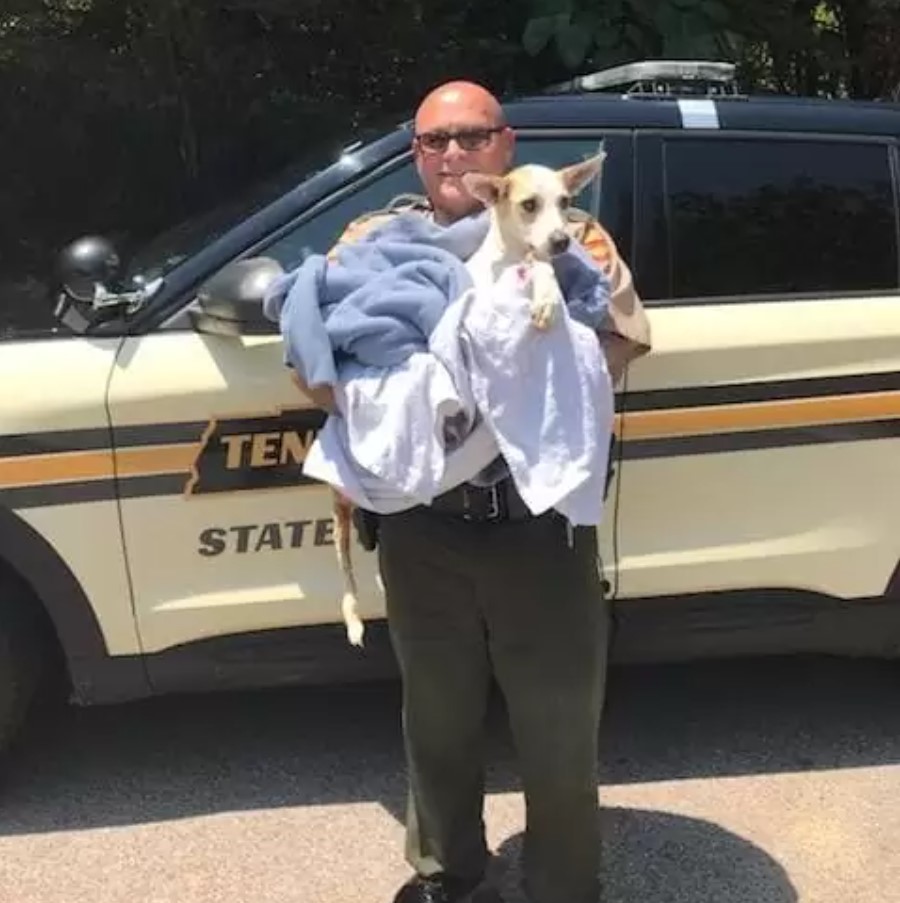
(559, 242)
(453, 151)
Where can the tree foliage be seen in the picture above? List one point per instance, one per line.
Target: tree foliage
(837, 48)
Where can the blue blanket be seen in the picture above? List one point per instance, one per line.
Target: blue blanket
(379, 301)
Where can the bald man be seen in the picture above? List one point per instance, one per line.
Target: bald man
(476, 587)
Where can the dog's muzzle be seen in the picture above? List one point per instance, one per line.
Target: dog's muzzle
(559, 242)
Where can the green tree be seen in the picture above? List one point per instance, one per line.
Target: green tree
(808, 47)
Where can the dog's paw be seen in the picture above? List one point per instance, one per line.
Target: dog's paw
(546, 298)
(543, 313)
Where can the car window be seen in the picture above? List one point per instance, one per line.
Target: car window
(318, 235)
(26, 309)
(779, 216)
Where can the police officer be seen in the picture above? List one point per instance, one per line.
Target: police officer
(476, 587)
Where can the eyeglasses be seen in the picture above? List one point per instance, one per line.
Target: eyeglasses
(468, 139)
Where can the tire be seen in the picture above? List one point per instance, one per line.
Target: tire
(22, 660)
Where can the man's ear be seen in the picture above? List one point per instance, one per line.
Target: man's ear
(488, 189)
(576, 176)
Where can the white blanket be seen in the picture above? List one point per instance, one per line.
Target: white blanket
(543, 400)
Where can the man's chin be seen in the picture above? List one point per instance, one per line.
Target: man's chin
(456, 202)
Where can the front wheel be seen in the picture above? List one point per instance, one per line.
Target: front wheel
(21, 660)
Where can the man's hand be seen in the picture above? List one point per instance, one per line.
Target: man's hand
(619, 353)
(322, 396)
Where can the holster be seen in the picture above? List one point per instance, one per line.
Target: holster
(366, 523)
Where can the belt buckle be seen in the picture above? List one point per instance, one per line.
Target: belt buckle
(493, 508)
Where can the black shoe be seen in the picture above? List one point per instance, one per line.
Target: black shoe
(444, 889)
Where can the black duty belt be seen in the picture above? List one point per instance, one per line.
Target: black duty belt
(483, 504)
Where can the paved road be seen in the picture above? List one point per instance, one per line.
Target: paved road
(769, 782)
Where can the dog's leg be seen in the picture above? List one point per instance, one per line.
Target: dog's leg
(350, 602)
(545, 295)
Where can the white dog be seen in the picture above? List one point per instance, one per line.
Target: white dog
(528, 226)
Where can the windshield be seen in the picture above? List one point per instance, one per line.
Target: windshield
(167, 250)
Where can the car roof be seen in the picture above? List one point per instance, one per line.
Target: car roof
(754, 113)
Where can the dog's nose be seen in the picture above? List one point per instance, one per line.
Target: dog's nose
(559, 242)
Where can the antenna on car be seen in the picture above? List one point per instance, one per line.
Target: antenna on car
(656, 78)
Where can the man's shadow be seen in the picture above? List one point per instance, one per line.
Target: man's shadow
(658, 857)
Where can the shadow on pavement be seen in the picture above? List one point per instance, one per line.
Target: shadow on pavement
(653, 857)
(179, 757)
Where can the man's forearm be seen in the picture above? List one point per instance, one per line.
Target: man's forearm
(625, 335)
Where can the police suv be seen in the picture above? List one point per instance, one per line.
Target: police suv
(156, 531)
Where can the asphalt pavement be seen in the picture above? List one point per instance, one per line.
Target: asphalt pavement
(769, 781)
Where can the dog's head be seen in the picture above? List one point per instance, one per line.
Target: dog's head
(529, 204)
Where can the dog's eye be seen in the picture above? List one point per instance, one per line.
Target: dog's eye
(529, 205)
(564, 203)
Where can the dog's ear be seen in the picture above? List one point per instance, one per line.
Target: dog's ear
(488, 189)
(576, 176)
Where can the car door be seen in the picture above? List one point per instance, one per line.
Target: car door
(59, 522)
(762, 434)
(223, 534)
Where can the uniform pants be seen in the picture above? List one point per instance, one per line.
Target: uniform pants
(523, 601)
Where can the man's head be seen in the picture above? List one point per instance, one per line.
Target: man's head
(459, 128)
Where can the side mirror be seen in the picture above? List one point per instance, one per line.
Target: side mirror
(231, 302)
